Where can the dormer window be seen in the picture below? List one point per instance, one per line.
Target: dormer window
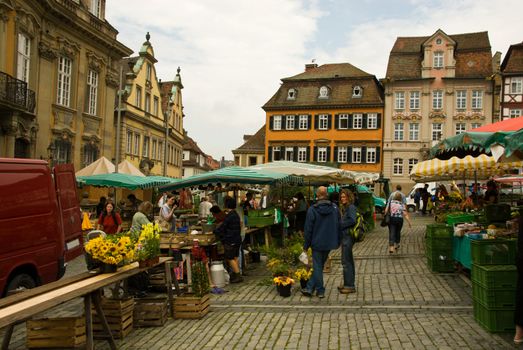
(324, 92)
(438, 59)
(438, 41)
(357, 92)
(291, 94)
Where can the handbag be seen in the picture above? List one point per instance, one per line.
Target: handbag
(385, 220)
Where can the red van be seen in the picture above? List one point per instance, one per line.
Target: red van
(40, 222)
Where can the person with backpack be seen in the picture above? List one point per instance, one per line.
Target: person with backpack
(348, 213)
(397, 211)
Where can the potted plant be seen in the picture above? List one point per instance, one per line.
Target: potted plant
(303, 275)
(111, 251)
(147, 249)
(284, 285)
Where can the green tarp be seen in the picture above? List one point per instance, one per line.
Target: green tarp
(127, 181)
(467, 143)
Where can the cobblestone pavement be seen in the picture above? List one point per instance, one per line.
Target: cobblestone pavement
(399, 304)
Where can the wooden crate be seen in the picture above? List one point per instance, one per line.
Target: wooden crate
(150, 312)
(119, 315)
(65, 332)
(189, 306)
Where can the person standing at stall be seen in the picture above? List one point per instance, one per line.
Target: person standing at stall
(140, 217)
(348, 220)
(110, 221)
(167, 214)
(204, 208)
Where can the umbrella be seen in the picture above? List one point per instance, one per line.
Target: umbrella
(127, 181)
(512, 124)
(468, 143)
(99, 166)
(317, 173)
(126, 167)
(233, 174)
(481, 167)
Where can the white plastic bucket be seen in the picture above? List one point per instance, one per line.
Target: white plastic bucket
(217, 274)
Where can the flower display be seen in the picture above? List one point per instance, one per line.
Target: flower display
(303, 274)
(112, 249)
(283, 281)
(148, 244)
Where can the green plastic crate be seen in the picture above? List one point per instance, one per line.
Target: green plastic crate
(432, 252)
(260, 221)
(495, 276)
(493, 251)
(439, 231)
(494, 298)
(439, 243)
(494, 320)
(441, 265)
(453, 219)
(261, 212)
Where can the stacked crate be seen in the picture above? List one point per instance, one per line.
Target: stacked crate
(494, 278)
(438, 248)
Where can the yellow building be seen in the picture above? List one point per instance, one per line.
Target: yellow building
(58, 80)
(331, 114)
(252, 151)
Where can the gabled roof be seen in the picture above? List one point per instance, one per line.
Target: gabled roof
(472, 54)
(340, 79)
(190, 145)
(513, 61)
(255, 143)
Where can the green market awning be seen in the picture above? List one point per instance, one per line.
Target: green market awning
(127, 181)
(468, 143)
(510, 149)
(233, 175)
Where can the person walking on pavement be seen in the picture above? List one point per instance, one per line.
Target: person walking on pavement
(322, 234)
(348, 220)
(398, 190)
(397, 211)
(425, 196)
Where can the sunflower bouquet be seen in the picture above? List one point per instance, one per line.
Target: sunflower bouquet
(148, 244)
(111, 249)
(283, 281)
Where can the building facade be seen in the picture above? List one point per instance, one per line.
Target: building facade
(329, 114)
(58, 80)
(146, 140)
(252, 151)
(436, 86)
(512, 83)
(195, 161)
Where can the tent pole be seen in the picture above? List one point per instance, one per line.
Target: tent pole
(475, 187)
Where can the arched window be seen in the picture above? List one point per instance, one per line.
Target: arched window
(357, 91)
(324, 92)
(291, 94)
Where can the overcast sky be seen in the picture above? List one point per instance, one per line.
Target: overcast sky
(233, 54)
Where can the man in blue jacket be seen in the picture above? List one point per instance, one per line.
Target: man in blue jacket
(322, 234)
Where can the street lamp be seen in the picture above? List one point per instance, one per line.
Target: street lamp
(50, 153)
(166, 117)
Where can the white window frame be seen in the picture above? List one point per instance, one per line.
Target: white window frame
(461, 128)
(357, 92)
(414, 100)
(461, 99)
(322, 154)
(514, 113)
(148, 72)
(398, 132)
(276, 122)
(276, 149)
(323, 121)
(475, 125)
(291, 94)
(92, 89)
(343, 119)
(437, 99)
(323, 92)
(145, 147)
(399, 100)
(356, 155)
(412, 163)
(372, 121)
(371, 155)
(138, 98)
(24, 57)
(342, 154)
(414, 131)
(304, 122)
(289, 153)
(289, 122)
(137, 138)
(156, 104)
(147, 102)
(154, 149)
(516, 86)
(129, 144)
(397, 166)
(438, 59)
(437, 132)
(477, 99)
(357, 121)
(96, 8)
(302, 154)
(65, 67)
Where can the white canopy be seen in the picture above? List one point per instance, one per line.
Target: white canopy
(104, 166)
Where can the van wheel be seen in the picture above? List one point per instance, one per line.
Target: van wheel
(19, 283)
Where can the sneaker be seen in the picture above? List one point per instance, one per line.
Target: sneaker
(347, 290)
(306, 292)
(320, 295)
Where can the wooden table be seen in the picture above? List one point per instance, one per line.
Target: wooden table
(21, 306)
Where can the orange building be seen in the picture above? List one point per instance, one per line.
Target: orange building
(331, 115)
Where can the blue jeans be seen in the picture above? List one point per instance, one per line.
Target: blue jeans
(319, 257)
(347, 261)
(395, 226)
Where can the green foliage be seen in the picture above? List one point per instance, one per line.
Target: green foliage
(200, 279)
(282, 261)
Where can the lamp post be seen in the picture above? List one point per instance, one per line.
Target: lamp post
(50, 154)
(166, 116)
(118, 122)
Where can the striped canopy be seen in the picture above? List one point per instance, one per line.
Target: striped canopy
(481, 167)
(128, 181)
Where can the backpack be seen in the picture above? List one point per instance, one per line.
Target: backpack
(358, 230)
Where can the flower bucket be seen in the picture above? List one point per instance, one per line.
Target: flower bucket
(303, 283)
(148, 262)
(285, 291)
(108, 268)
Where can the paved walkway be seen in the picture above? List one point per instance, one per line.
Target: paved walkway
(399, 304)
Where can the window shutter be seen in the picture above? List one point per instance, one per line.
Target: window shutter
(364, 121)
(364, 154)
(335, 154)
(328, 153)
(378, 123)
(295, 154)
(316, 122)
(349, 154)
(315, 153)
(336, 121)
(283, 122)
(271, 123)
(308, 154)
(378, 154)
(329, 121)
(269, 154)
(350, 121)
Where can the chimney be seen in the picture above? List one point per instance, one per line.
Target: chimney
(310, 66)
(496, 62)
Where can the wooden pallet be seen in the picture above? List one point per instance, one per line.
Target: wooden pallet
(189, 306)
(65, 332)
(119, 315)
(150, 312)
